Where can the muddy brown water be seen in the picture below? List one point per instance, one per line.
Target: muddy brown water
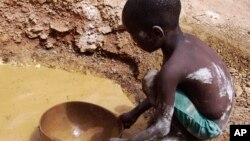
(27, 92)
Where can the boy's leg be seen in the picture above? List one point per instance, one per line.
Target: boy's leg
(195, 123)
(186, 113)
(148, 85)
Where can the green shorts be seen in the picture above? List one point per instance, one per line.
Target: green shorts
(195, 123)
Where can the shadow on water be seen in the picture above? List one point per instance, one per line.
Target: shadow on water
(35, 136)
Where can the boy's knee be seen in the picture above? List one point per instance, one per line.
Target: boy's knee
(148, 85)
(163, 127)
(149, 80)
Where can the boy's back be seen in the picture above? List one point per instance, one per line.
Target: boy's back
(204, 77)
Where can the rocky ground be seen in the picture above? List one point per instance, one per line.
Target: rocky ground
(87, 36)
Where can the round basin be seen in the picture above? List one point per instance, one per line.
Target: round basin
(79, 121)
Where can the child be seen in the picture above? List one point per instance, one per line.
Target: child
(193, 84)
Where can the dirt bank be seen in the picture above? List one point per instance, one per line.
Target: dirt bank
(81, 35)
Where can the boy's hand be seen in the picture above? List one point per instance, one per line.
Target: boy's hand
(117, 139)
(127, 120)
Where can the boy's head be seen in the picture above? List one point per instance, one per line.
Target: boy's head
(150, 20)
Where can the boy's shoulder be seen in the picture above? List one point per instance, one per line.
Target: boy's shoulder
(193, 47)
(192, 53)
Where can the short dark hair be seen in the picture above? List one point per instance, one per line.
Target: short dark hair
(146, 13)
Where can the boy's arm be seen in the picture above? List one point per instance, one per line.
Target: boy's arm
(166, 87)
(149, 88)
(141, 108)
(130, 118)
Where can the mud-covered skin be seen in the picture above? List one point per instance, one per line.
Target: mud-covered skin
(206, 93)
(209, 88)
(203, 92)
(189, 65)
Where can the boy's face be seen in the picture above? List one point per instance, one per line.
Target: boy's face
(144, 40)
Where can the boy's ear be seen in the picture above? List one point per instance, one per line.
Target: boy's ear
(158, 31)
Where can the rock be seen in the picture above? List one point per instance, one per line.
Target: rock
(241, 101)
(91, 26)
(59, 27)
(238, 90)
(31, 35)
(41, 1)
(105, 29)
(36, 29)
(49, 44)
(232, 70)
(1, 4)
(244, 75)
(85, 47)
(90, 12)
(248, 84)
(88, 48)
(94, 2)
(54, 1)
(33, 18)
(99, 38)
(43, 36)
(79, 30)
(1, 61)
(247, 90)
(4, 38)
(248, 77)
(9, 17)
(38, 1)
(88, 43)
(70, 1)
(25, 10)
(113, 3)
(34, 32)
(17, 38)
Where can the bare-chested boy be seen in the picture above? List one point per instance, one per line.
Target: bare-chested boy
(193, 84)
